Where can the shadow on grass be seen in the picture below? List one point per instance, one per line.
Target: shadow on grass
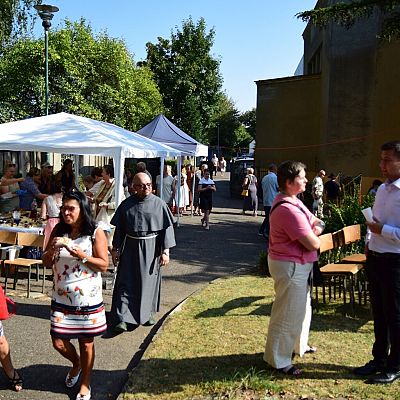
(330, 317)
(219, 372)
(240, 302)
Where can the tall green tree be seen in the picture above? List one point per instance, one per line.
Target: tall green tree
(16, 16)
(248, 119)
(347, 13)
(188, 76)
(90, 75)
(228, 131)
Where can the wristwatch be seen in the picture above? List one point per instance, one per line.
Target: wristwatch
(84, 260)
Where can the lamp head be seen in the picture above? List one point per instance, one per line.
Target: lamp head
(46, 13)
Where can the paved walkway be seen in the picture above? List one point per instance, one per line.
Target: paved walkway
(200, 257)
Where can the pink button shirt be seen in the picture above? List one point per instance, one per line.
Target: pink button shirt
(288, 223)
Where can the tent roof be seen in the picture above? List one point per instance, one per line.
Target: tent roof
(67, 133)
(162, 130)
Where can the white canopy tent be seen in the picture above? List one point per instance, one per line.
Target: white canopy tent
(67, 133)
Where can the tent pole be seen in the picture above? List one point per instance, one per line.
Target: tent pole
(162, 178)
(193, 183)
(119, 162)
(76, 161)
(178, 184)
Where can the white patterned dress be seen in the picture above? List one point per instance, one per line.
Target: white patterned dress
(77, 308)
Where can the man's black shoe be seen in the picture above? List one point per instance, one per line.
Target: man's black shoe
(370, 368)
(388, 376)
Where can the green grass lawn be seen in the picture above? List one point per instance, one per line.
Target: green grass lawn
(212, 349)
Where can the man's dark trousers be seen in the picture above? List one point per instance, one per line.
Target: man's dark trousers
(264, 228)
(383, 271)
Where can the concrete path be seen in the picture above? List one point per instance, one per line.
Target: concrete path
(200, 257)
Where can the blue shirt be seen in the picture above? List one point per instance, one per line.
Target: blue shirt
(270, 188)
(25, 201)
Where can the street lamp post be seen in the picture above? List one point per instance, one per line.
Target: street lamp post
(46, 13)
(218, 139)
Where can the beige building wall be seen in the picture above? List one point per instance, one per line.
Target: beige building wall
(345, 112)
(288, 120)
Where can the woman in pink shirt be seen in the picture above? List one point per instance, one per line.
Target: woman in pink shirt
(293, 245)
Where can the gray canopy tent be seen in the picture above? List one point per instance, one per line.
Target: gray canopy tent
(162, 130)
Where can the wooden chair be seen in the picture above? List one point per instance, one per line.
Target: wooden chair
(325, 256)
(31, 240)
(8, 238)
(351, 235)
(339, 273)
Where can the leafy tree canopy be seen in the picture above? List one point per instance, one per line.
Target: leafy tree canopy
(90, 75)
(232, 134)
(248, 119)
(16, 17)
(188, 77)
(347, 13)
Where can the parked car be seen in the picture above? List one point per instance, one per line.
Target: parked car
(238, 172)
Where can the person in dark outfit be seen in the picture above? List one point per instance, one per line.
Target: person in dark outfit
(383, 272)
(66, 176)
(144, 233)
(332, 189)
(206, 188)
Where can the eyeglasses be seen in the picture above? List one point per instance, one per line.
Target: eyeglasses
(144, 186)
(69, 209)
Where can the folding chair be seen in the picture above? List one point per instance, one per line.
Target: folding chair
(31, 240)
(350, 236)
(344, 271)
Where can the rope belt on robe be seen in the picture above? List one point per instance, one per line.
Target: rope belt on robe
(152, 236)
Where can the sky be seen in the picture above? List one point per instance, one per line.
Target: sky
(254, 39)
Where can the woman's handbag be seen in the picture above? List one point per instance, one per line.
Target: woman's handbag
(245, 191)
(103, 216)
(4, 302)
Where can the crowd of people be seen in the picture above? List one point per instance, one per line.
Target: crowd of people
(82, 228)
(86, 226)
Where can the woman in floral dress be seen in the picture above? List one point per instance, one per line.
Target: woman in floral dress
(77, 251)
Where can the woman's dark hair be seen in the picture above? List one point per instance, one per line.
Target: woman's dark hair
(33, 171)
(109, 170)
(88, 223)
(96, 171)
(66, 162)
(288, 171)
(55, 187)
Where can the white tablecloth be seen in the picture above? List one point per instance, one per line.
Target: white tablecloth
(35, 229)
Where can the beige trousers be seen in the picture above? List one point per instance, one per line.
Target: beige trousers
(289, 324)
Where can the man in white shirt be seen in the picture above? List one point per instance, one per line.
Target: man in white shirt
(270, 188)
(168, 180)
(383, 271)
(317, 193)
(214, 162)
